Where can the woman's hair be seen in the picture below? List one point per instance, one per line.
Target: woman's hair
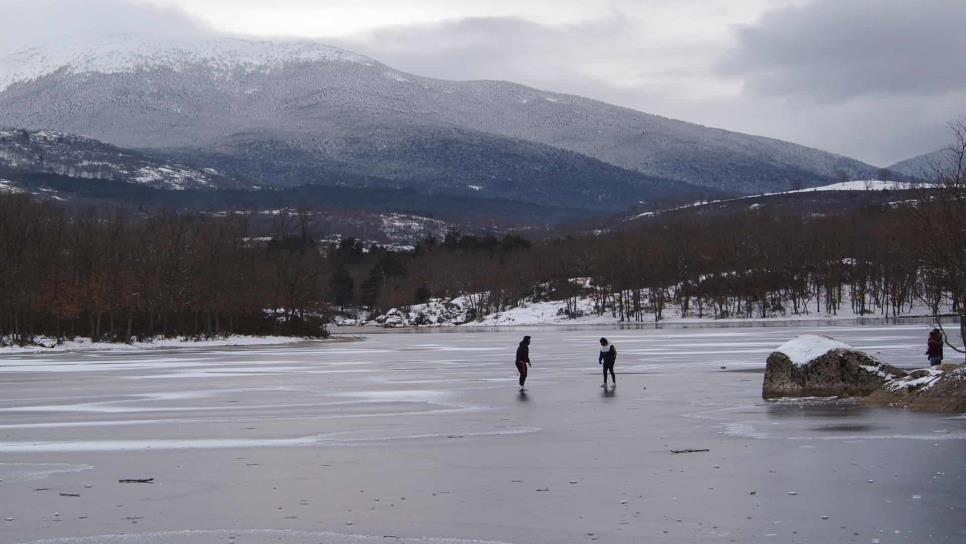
(603, 341)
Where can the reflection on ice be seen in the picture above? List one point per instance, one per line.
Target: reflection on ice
(331, 439)
(25, 472)
(398, 396)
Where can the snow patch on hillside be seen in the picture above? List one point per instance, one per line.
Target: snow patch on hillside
(400, 227)
(85, 158)
(7, 186)
(855, 185)
(172, 177)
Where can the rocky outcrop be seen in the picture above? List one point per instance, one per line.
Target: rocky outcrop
(819, 366)
(929, 390)
(434, 313)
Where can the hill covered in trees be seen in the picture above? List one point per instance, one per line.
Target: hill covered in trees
(119, 276)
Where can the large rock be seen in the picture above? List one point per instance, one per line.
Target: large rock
(819, 366)
(928, 390)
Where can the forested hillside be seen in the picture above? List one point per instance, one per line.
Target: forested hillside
(117, 276)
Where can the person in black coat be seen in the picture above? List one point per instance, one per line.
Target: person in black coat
(523, 360)
(934, 347)
(608, 356)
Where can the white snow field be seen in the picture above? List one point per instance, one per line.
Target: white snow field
(424, 437)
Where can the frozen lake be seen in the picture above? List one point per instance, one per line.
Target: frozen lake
(424, 436)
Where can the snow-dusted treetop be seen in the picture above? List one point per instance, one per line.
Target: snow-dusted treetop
(808, 347)
(126, 53)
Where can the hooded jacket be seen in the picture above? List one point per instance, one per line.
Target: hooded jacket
(608, 354)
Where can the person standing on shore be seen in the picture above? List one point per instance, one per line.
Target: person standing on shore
(608, 356)
(934, 347)
(523, 360)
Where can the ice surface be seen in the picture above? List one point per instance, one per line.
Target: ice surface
(423, 436)
(244, 536)
(47, 345)
(808, 347)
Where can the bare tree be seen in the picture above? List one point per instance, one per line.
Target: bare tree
(942, 214)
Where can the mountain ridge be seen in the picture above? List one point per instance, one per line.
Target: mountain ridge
(336, 106)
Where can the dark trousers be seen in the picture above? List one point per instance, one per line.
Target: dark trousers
(609, 367)
(522, 369)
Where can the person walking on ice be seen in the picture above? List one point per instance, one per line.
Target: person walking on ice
(523, 360)
(934, 347)
(608, 356)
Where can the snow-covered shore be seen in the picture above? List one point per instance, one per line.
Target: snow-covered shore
(458, 312)
(48, 345)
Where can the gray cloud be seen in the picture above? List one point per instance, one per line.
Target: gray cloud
(504, 48)
(52, 22)
(604, 60)
(839, 50)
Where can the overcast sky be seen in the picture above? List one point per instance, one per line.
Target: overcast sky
(874, 79)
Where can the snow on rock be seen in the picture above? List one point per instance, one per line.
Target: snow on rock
(819, 366)
(917, 380)
(436, 312)
(807, 347)
(940, 390)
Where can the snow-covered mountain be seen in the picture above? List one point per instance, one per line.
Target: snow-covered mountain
(924, 166)
(301, 112)
(47, 152)
(129, 53)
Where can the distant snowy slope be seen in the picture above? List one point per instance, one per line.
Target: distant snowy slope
(855, 186)
(84, 158)
(859, 185)
(353, 114)
(924, 166)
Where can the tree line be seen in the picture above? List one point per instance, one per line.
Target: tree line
(746, 265)
(119, 277)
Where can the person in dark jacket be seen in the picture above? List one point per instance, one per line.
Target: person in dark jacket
(934, 347)
(608, 356)
(523, 360)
